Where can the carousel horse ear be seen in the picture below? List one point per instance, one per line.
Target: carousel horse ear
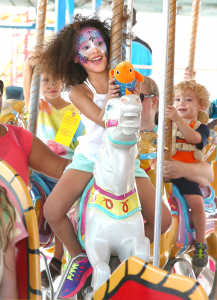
(139, 76)
(111, 74)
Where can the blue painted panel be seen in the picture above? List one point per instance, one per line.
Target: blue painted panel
(70, 5)
(60, 11)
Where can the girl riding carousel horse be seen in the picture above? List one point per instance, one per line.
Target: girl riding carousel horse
(81, 52)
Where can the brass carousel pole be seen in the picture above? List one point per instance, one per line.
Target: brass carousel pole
(194, 26)
(116, 33)
(35, 85)
(166, 98)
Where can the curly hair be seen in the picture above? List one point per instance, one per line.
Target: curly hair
(57, 56)
(5, 206)
(199, 89)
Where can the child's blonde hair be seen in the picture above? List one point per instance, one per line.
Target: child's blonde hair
(152, 89)
(202, 94)
(5, 206)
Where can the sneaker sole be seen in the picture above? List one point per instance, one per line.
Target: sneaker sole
(82, 282)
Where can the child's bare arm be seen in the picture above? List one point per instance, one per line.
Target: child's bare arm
(190, 135)
(43, 160)
(27, 78)
(87, 107)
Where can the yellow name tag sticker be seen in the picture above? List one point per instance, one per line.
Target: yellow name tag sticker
(68, 128)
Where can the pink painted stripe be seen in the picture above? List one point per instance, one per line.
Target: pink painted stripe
(111, 123)
(121, 197)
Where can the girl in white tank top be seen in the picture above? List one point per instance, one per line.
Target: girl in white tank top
(87, 58)
(89, 143)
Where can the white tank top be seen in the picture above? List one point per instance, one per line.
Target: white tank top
(90, 142)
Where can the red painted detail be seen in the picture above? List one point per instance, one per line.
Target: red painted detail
(125, 206)
(108, 203)
(134, 290)
(21, 269)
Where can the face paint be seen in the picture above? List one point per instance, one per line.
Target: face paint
(89, 39)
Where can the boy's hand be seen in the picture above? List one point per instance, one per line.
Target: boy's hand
(171, 113)
(114, 90)
(187, 75)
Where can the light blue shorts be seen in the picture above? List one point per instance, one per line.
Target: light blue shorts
(80, 162)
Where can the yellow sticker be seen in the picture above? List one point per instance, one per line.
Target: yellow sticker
(68, 128)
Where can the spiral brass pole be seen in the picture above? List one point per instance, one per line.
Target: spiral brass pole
(194, 26)
(166, 92)
(35, 85)
(170, 78)
(116, 33)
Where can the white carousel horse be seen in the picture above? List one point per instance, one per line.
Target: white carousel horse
(114, 222)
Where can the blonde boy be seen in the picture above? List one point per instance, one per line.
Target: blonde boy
(189, 137)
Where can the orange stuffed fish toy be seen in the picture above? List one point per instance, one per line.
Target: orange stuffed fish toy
(125, 76)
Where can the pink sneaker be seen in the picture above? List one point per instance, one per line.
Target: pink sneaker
(78, 274)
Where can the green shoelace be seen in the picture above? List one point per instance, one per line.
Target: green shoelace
(73, 268)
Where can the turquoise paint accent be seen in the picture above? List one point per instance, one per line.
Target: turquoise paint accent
(148, 156)
(155, 128)
(174, 212)
(41, 183)
(120, 142)
(185, 207)
(108, 213)
(210, 200)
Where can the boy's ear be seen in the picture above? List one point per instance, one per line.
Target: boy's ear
(200, 108)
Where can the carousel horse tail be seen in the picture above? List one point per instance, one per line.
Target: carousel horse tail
(27, 250)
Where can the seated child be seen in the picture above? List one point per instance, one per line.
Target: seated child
(189, 137)
(52, 108)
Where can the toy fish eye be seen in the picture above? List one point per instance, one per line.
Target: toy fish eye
(117, 72)
(131, 70)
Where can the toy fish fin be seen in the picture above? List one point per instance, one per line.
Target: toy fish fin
(127, 92)
(139, 76)
(111, 74)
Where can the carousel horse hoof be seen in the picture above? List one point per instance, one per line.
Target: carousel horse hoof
(87, 291)
(141, 248)
(101, 273)
(170, 264)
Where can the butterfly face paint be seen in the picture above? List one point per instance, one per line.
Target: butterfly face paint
(88, 40)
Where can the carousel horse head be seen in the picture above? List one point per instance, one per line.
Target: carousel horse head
(122, 117)
(13, 113)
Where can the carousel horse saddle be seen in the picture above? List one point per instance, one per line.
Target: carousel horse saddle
(186, 232)
(116, 207)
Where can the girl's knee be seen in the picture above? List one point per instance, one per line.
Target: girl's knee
(50, 212)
